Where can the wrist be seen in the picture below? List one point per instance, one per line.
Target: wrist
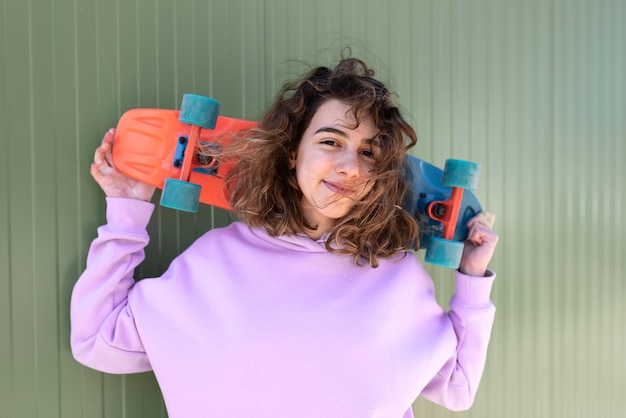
(474, 272)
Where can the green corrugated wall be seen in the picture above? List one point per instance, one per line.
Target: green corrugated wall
(532, 89)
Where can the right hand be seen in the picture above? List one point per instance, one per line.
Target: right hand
(111, 181)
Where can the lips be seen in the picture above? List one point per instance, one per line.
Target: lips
(340, 188)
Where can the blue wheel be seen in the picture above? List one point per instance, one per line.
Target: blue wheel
(443, 252)
(180, 195)
(199, 110)
(460, 173)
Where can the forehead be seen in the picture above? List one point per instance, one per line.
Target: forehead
(334, 113)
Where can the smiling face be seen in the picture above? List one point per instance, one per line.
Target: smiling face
(333, 164)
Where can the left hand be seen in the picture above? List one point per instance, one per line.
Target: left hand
(479, 246)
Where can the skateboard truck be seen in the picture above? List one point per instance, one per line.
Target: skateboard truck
(446, 212)
(199, 112)
(460, 175)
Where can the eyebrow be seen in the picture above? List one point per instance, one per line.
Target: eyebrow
(332, 130)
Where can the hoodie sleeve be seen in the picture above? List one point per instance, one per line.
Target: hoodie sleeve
(103, 332)
(472, 316)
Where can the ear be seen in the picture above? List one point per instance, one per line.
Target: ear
(292, 160)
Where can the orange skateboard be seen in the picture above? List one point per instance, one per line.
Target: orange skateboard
(158, 147)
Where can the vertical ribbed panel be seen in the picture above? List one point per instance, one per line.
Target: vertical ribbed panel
(533, 90)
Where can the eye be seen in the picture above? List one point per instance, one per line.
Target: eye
(330, 142)
(368, 153)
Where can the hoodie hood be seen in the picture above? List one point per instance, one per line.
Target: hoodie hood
(296, 242)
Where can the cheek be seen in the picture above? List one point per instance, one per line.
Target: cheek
(311, 165)
(302, 175)
(369, 185)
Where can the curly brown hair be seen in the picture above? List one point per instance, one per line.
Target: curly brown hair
(262, 185)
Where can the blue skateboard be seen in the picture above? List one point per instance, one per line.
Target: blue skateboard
(443, 202)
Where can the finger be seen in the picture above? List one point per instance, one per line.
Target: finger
(100, 167)
(480, 232)
(108, 156)
(96, 171)
(101, 161)
(103, 152)
(102, 149)
(474, 236)
(485, 218)
(110, 135)
(97, 154)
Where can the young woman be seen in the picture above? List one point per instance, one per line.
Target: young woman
(311, 304)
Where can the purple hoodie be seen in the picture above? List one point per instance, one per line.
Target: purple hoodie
(243, 324)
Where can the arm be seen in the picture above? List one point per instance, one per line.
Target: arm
(103, 332)
(472, 315)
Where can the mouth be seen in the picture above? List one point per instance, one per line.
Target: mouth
(341, 189)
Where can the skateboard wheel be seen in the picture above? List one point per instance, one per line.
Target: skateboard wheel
(460, 173)
(199, 110)
(443, 252)
(180, 195)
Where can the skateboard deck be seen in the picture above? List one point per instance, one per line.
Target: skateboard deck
(159, 147)
(150, 145)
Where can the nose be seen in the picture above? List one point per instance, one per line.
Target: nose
(348, 164)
